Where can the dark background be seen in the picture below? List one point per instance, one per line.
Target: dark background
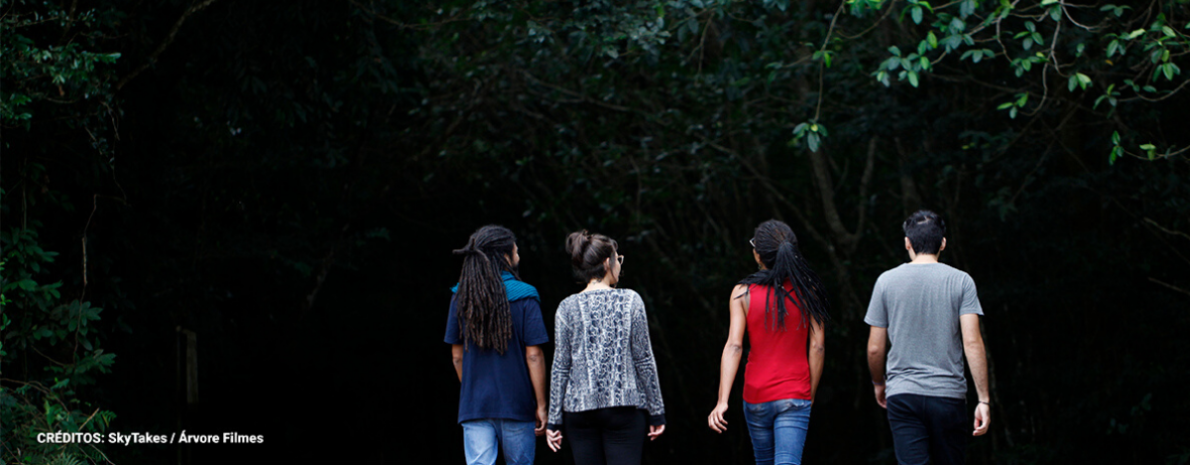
(287, 180)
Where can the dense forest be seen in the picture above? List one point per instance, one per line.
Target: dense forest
(226, 216)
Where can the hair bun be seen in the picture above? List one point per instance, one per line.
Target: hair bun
(589, 253)
(576, 245)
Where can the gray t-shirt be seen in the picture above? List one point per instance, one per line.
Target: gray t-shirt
(920, 305)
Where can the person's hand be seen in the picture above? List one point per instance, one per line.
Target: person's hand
(542, 417)
(716, 420)
(554, 439)
(879, 390)
(983, 416)
(655, 431)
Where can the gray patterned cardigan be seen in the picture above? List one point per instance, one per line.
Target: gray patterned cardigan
(603, 356)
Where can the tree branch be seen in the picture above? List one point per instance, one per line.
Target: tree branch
(169, 38)
(1170, 286)
(826, 189)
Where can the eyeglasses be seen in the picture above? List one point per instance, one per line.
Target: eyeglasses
(752, 242)
(620, 259)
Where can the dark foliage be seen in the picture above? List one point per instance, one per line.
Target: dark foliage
(287, 181)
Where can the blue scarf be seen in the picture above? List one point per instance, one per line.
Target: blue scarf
(516, 290)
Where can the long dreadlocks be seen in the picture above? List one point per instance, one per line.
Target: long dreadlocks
(482, 302)
(776, 244)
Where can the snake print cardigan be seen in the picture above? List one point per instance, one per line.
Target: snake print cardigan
(603, 357)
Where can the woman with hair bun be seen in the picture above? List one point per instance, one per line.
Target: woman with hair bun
(783, 309)
(603, 386)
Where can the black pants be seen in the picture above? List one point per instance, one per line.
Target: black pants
(606, 436)
(925, 428)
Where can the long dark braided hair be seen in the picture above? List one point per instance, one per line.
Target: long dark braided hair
(482, 303)
(776, 244)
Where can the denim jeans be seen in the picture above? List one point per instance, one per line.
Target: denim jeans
(928, 429)
(778, 430)
(516, 438)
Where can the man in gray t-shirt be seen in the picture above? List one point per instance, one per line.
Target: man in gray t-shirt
(929, 311)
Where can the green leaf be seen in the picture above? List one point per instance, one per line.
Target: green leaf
(913, 78)
(916, 13)
(1148, 147)
(966, 8)
(1112, 48)
(932, 39)
(882, 76)
(1004, 106)
(1168, 31)
(1115, 137)
(957, 25)
(1169, 70)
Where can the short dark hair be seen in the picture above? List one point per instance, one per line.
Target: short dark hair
(587, 254)
(925, 230)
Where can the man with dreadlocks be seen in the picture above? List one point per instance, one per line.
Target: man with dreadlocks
(495, 329)
(930, 312)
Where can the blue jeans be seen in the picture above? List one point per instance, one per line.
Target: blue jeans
(516, 438)
(778, 430)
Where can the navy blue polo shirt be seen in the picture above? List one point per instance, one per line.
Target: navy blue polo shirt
(495, 385)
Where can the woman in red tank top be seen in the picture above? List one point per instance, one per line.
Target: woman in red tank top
(782, 308)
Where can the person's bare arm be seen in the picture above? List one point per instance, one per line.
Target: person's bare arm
(456, 356)
(877, 345)
(817, 356)
(977, 361)
(732, 351)
(535, 358)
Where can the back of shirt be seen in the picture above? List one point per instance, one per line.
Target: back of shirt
(603, 357)
(497, 385)
(920, 304)
(778, 364)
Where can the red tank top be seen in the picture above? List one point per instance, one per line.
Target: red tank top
(777, 364)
